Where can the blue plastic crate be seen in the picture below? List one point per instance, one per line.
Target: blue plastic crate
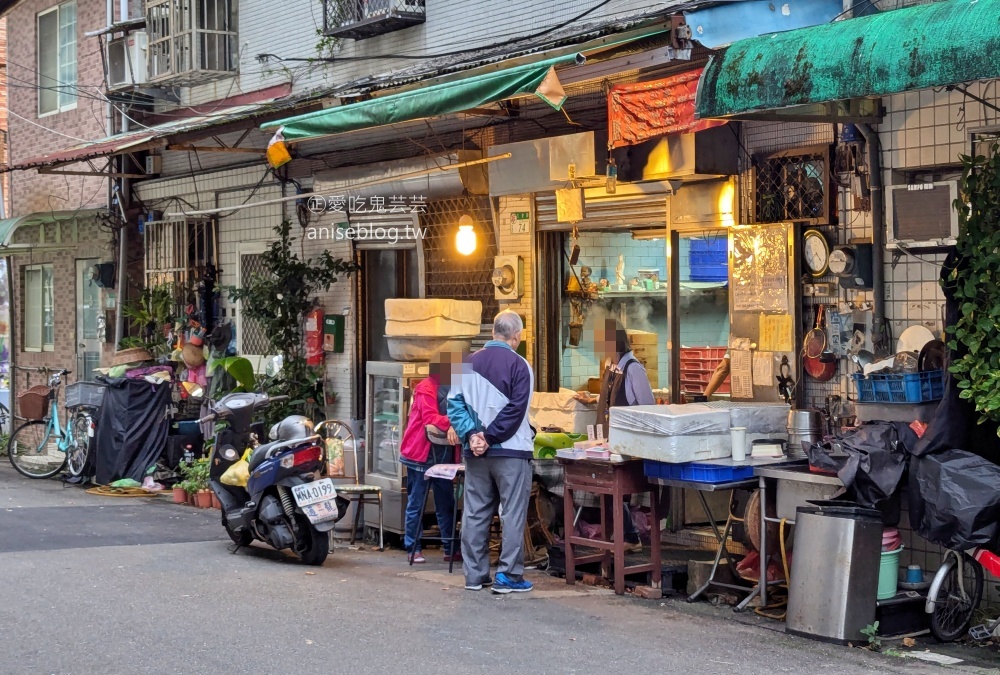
(900, 387)
(709, 258)
(697, 472)
(709, 273)
(713, 244)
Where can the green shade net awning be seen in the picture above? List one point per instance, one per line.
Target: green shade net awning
(939, 44)
(439, 99)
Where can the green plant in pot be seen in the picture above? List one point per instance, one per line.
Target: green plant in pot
(196, 481)
(975, 283)
(279, 301)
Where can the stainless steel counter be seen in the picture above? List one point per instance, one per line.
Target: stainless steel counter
(799, 473)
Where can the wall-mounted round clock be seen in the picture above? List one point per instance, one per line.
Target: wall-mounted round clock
(815, 253)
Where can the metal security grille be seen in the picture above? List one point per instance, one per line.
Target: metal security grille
(449, 274)
(360, 19)
(792, 185)
(176, 255)
(253, 340)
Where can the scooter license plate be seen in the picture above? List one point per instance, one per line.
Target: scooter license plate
(314, 493)
(321, 512)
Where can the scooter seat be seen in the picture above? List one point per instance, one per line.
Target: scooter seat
(259, 455)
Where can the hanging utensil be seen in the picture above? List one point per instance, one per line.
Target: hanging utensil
(818, 362)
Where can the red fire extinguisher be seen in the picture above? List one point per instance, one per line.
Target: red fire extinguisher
(314, 337)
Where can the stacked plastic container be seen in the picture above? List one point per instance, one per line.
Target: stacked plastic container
(697, 366)
(708, 259)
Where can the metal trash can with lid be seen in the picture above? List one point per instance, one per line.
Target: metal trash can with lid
(834, 575)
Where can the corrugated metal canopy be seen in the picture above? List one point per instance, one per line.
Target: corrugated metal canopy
(144, 139)
(920, 47)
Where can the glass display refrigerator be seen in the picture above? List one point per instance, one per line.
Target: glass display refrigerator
(388, 393)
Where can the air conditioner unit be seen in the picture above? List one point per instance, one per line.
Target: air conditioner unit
(127, 60)
(921, 216)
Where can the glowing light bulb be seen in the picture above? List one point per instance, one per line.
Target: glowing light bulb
(465, 240)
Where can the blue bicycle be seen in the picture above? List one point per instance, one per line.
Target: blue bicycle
(41, 447)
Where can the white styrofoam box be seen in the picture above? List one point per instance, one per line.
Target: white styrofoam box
(757, 418)
(795, 493)
(432, 317)
(671, 449)
(560, 409)
(671, 420)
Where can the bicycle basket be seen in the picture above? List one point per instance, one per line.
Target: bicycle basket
(33, 404)
(84, 395)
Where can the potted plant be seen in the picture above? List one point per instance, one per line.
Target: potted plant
(180, 493)
(203, 499)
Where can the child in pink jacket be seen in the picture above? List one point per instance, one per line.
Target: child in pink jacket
(418, 454)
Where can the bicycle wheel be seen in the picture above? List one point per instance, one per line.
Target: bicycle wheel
(79, 449)
(959, 596)
(34, 451)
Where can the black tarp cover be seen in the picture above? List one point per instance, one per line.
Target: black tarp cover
(132, 429)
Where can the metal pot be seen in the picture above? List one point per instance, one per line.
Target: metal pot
(805, 420)
(804, 426)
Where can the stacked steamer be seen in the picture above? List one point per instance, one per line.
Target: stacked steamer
(695, 432)
(646, 351)
(670, 433)
(418, 329)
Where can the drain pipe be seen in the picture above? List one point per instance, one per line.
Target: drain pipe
(879, 328)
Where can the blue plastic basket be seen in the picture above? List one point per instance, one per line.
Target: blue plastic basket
(900, 387)
(696, 472)
(708, 259)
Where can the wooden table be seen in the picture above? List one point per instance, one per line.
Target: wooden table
(610, 481)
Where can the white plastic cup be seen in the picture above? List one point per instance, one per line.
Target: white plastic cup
(739, 437)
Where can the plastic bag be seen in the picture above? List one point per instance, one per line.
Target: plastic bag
(954, 501)
(335, 457)
(126, 483)
(237, 475)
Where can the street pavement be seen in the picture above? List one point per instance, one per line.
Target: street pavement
(104, 585)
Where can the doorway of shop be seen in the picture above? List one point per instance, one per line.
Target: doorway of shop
(699, 317)
(386, 272)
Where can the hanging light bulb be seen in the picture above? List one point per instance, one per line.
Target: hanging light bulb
(465, 240)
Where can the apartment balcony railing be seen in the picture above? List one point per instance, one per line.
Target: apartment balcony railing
(360, 19)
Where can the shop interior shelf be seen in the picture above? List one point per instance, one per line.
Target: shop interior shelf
(900, 387)
(697, 473)
(656, 293)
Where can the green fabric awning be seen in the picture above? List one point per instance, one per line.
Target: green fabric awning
(934, 45)
(439, 99)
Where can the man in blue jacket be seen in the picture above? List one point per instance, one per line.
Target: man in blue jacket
(488, 408)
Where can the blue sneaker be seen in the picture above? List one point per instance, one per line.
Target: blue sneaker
(504, 584)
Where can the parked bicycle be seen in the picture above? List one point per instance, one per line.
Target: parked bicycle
(41, 447)
(955, 593)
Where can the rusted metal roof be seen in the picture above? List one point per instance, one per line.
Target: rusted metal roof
(157, 136)
(570, 35)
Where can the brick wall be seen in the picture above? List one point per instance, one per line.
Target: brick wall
(32, 192)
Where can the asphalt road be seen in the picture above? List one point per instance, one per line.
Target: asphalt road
(101, 585)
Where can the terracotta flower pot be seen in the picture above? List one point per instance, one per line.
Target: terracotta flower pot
(180, 496)
(216, 504)
(191, 499)
(203, 500)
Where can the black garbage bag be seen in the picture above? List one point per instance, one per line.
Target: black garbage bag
(131, 430)
(954, 499)
(869, 460)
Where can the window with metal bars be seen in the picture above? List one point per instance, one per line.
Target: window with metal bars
(448, 273)
(177, 254)
(792, 185)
